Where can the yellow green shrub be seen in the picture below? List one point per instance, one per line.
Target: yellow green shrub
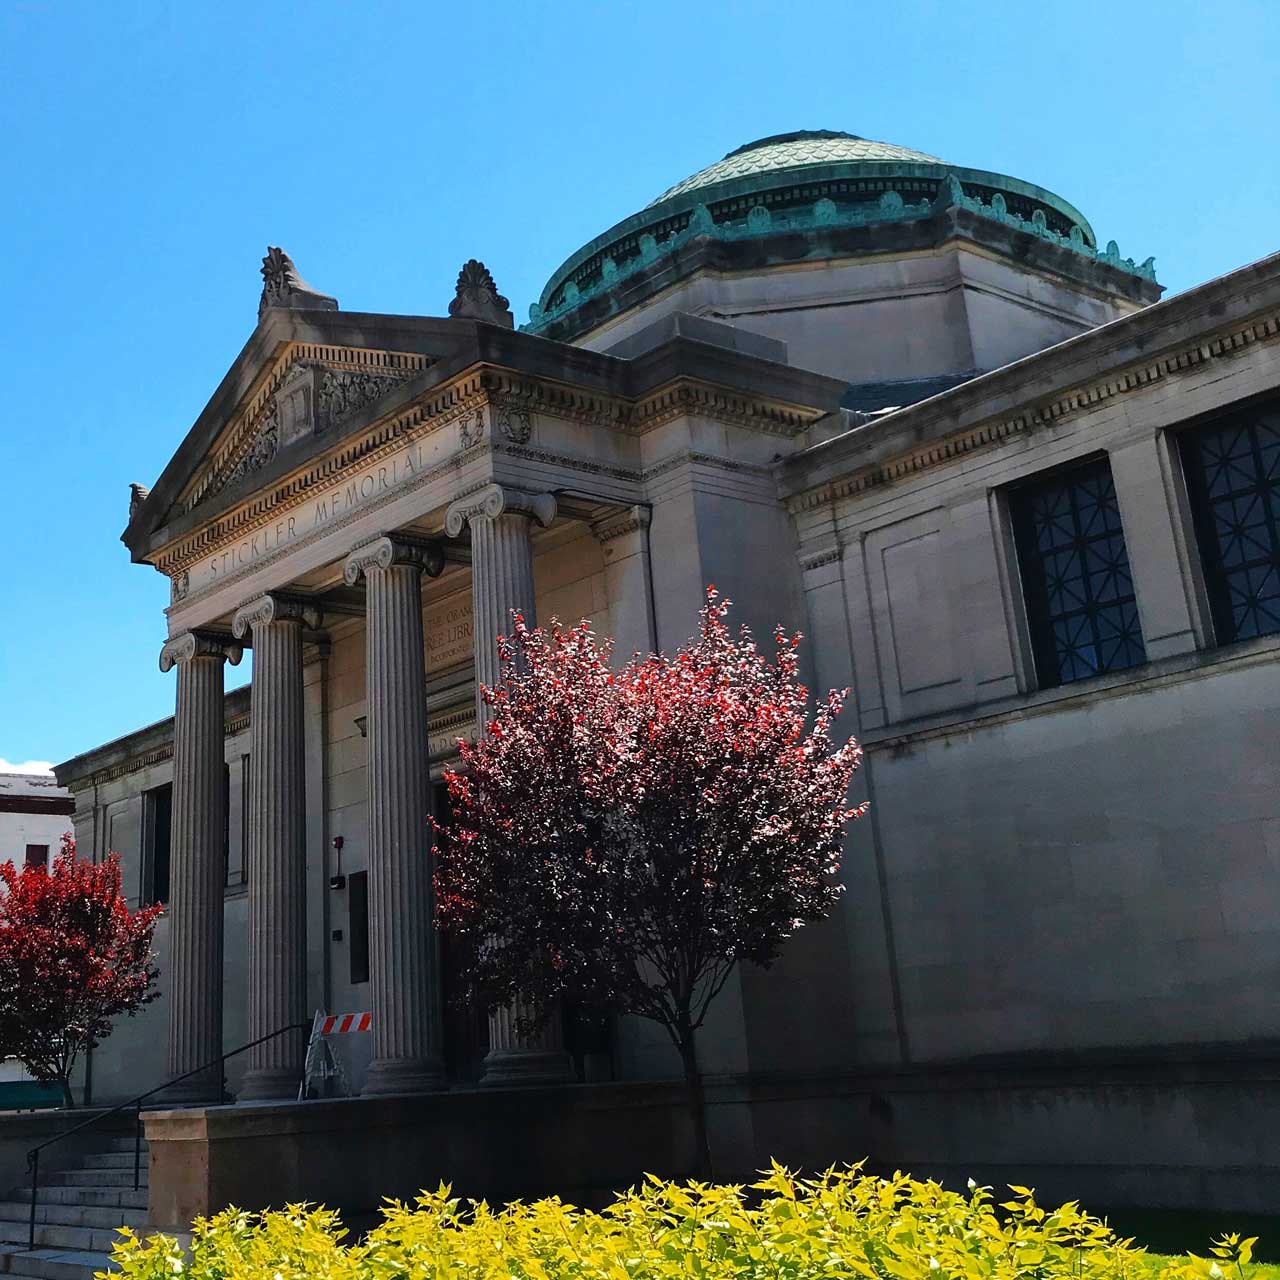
(841, 1224)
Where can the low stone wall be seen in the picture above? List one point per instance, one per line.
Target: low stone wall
(1187, 1131)
(1195, 1132)
(581, 1142)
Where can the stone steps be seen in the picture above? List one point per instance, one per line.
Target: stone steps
(114, 1160)
(106, 1217)
(79, 1211)
(120, 1144)
(98, 1178)
(52, 1264)
(57, 1235)
(106, 1197)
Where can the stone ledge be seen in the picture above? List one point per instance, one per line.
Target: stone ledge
(582, 1142)
(902, 735)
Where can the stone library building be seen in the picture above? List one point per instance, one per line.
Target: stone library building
(1026, 510)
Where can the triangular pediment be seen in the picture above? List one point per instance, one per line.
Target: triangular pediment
(304, 380)
(308, 390)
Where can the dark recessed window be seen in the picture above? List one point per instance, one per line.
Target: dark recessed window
(1075, 575)
(157, 820)
(1233, 473)
(358, 925)
(37, 855)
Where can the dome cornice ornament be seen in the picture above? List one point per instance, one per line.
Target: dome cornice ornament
(807, 186)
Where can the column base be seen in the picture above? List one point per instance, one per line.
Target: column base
(269, 1084)
(197, 1091)
(507, 1068)
(404, 1075)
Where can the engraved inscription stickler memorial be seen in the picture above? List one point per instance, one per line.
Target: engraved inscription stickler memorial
(324, 509)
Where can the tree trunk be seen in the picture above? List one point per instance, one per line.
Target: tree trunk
(68, 1100)
(697, 1101)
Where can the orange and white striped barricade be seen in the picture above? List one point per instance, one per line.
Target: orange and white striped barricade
(323, 1067)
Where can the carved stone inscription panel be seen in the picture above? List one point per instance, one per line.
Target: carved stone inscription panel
(449, 632)
(327, 508)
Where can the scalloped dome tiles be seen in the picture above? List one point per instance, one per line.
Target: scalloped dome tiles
(795, 151)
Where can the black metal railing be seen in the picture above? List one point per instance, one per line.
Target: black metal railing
(135, 1104)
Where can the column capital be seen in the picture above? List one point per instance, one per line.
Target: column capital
(390, 549)
(619, 523)
(199, 644)
(496, 500)
(275, 607)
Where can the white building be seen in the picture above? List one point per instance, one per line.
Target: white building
(35, 813)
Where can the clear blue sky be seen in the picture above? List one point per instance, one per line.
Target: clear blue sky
(150, 152)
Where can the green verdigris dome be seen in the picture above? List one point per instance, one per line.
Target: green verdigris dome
(795, 151)
(812, 195)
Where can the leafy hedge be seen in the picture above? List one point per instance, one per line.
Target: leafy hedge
(842, 1224)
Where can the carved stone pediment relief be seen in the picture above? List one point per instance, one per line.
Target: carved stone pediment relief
(295, 405)
(305, 397)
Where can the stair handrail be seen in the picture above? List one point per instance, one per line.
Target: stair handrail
(33, 1155)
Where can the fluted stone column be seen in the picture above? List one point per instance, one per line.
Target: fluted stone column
(403, 975)
(277, 844)
(501, 521)
(197, 872)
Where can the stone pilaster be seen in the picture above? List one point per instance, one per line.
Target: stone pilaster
(403, 974)
(277, 854)
(196, 873)
(501, 522)
(624, 537)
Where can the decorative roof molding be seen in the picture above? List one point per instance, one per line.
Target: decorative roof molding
(690, 397)
(477, 297)
(996, 430)
(282, 286)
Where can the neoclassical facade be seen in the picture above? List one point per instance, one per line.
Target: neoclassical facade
(1025, 509)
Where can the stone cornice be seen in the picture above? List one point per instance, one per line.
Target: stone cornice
(689, 397)
(190, 645)
(818, 556)
(691, 457)
(143, 747)
(432, 413)
(509, 402)
(917, 421)
(423, 554)
(496, 500)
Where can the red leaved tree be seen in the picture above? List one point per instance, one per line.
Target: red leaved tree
(622, 839)
(73, 957)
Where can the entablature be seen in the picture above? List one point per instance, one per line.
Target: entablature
(497, 407)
